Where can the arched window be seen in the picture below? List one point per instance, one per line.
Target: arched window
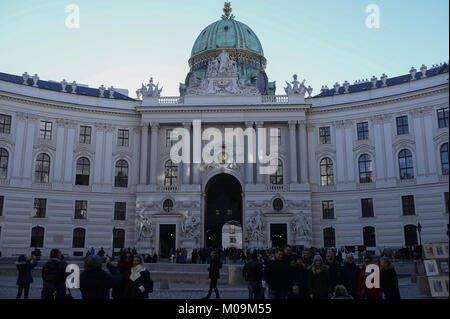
(3, 163)
(119, 238)
(444, 158)
(79, 235)
(42, 169)
(405, 164)
(37, 237)
(170, 174)
(82, 173)
(121, 175)
(410, 235)
(329, 239)
(365, 169)
(369, 236)
(326, 172)
(168, 205)
(277, 177)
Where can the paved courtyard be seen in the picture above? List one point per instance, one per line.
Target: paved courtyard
(8, 290)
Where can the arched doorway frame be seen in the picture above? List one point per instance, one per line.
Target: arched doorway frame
(209, 176)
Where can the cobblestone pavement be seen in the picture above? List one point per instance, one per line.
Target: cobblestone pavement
(8, 290)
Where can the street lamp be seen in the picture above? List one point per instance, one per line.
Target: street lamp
(112, 252)
(419, 229)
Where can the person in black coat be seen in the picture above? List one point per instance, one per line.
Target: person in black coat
(24, 278)
(54, 277)
(253, 273)
(214, 274)
(276, 275)
(319, 282)
(350, 274)
(298, 280)
(140, 282)
(389, 279)
(95, 283)
(335, 269)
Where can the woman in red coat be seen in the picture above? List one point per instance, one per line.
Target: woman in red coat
(363, 291)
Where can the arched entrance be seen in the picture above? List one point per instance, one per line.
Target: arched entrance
(223, 203)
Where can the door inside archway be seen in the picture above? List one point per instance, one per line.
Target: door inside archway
(223, 204)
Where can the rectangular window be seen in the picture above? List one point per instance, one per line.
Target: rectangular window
(278, 136)
(80, 209)
(446, 202)
(5, 124)
(120, 210)
(122, 137)
(328, 209)
(402, 125)
(325, 135)
(367, 207)
(442, 115)
(46, 130)
(40, 205)
(408, 205)
(363, 131)
(2, 199)
(169, 140)
(85, 134)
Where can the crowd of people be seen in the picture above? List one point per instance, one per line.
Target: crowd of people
(316, 275)
(128, 279)
(271, 273)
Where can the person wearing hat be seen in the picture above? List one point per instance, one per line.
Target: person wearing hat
(24, 278)
(319, 282)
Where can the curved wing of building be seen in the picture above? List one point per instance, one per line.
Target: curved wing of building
(357, 165)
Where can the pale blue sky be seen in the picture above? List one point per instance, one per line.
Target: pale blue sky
(123, 43)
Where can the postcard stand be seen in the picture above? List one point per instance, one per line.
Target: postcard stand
(436, 279)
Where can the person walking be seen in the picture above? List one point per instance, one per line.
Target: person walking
(124, 268)
(24, 278)
(350, 273)
(319, 282)
(389, 279)
(298, 279)
(141, 283)
(95, 283)
(54, 277)
(276, 275)
(214, 274)
(253, 273)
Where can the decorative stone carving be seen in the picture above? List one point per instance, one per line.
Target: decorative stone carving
(111, 92)
(143, 224)
(413, 72)
(222, 78)
(346, 86)
(190, 226)
(63, 85)
(295, 87)
(101, 89)
(25, 78)
(374, 82)
(255, 226)
(74, 87)
(35, 80)
(384, 79)
(423, 69)
(300, 226)
(149, 90)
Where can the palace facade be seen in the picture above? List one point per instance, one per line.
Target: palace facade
(359, 164)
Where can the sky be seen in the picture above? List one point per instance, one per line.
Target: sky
(124, 43)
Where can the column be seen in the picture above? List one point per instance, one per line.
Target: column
(144, 153)
(303, 150)
(390, 161)
(350, 174)
(18, 148)
(428, 127)
(248, 165)
(340, 151)
(292, 152)
(108, 173)
(187, 166)
(379, 150)
(153, 152)
(420, 147)
(259, 176)
(196, 150)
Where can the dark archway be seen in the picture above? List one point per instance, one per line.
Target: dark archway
(223, 203)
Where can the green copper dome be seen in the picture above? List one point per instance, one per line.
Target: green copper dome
(227, 34)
